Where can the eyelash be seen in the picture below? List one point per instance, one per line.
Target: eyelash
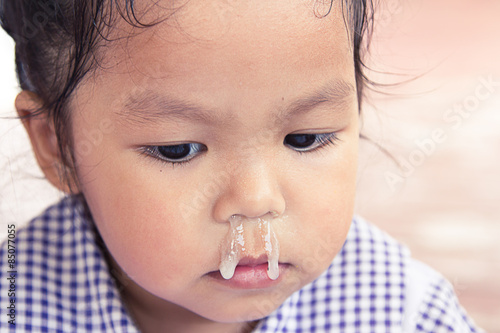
(322, 140)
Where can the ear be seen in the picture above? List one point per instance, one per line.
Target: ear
(43, 139)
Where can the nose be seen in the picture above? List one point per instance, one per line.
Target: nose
(253, 190)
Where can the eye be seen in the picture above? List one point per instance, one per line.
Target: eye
(176, 154)
(309, 142)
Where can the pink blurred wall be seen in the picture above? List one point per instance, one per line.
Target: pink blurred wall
(444, 130)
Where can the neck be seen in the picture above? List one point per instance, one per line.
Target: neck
(152, 314)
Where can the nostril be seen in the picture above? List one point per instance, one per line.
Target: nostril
(272, 213)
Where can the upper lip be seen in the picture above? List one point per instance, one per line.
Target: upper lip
(253, 261)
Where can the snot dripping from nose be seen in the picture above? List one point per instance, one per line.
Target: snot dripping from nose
(272, 248)
(233, 248)
(249, 237)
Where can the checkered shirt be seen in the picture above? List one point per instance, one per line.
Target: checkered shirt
(62, 284)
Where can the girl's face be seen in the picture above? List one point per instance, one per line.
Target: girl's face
(224, 109)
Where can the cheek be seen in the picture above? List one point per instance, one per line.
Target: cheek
(324, 208)
(140, 222)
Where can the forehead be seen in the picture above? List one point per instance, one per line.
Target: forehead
(251, 32)
(249, 46)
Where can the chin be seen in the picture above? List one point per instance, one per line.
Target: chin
(245, 311)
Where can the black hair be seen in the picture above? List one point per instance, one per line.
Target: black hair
(57, 42)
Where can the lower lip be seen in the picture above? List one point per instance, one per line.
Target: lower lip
(249, 277)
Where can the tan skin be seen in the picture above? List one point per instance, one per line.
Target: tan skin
(244, 65)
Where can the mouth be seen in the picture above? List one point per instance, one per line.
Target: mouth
(251, 273)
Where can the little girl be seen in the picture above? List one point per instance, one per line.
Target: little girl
(208, 150)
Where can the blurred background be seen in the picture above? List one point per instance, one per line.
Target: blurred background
(442, 127)
(435, 112)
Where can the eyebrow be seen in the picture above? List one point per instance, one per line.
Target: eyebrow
(149, 107)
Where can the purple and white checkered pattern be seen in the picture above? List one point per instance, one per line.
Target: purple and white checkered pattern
(62, 282)
(63, 285)
(440, 311)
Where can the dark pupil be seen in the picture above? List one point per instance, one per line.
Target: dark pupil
(300, 140)
(175, 152)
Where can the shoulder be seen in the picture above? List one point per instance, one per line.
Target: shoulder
(428, 300)
(432, 305)
(52, 241)
(60, 280)
(55, 222)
